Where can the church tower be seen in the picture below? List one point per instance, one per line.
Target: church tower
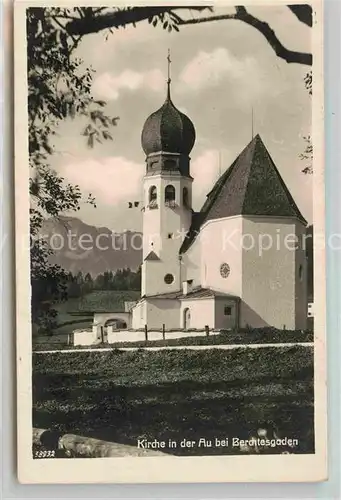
(168, 137)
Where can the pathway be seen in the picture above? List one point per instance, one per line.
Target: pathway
(180, 347)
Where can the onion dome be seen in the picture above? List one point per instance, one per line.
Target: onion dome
(168, 130)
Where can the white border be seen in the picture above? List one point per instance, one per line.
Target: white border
(274, 468)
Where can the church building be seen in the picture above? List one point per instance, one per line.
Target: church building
(237, 262)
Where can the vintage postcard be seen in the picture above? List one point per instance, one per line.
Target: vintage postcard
(169, 178)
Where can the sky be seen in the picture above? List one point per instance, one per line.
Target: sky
(220, 71)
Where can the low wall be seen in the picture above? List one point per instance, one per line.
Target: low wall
(87, 337)
(114, 336)
(93, 336)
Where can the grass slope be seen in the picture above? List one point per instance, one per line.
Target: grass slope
(124, 396)
(107, 300)
(77, 313)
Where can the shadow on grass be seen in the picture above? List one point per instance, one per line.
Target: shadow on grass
(174, 411)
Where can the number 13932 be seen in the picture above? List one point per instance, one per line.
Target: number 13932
(44, 453)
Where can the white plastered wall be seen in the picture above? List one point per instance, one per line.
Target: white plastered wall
(270, 273)
(163, 230)
(220, 244)
(202, 312)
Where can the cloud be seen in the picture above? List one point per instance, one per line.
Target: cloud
(205, 171)
(109, 86)
(209, 69)
(112, 180)
(117, 180)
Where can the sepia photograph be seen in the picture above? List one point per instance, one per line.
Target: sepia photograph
(169, 212)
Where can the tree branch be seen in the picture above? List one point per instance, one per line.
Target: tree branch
(101, 21)
(94, 24)
(303, 12)
(199, 20)
(243, 15)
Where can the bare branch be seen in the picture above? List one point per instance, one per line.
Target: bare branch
(94, 24)
(243, 15)
(198, 20)
(62, 26)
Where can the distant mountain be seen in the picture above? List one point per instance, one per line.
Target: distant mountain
(80, 247)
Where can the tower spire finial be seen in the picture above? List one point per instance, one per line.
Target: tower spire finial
(168, 74)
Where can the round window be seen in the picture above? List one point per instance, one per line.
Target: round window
(169, 278)
(224, 270)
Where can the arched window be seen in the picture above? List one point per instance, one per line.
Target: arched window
(152, 197)
(170, 193)
(185, 197)
(152, 193)
(170, 196)
(187, 318)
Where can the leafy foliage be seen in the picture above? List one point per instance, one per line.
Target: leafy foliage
(59, 87)
(308, 81)
(307, 155)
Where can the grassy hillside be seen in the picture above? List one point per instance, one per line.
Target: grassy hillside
(78, 313)
(106, 300)
(124, 396)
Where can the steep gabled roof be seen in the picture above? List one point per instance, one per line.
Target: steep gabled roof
(252, 185)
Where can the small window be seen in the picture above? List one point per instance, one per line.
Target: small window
(169, 193)
(170, 236)
(185, 197)
(227, 311)
(169, 278)
(300, 272)
(152, 194)
(225, 270)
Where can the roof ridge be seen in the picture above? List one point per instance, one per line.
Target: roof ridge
(228, 170)
(283, 184)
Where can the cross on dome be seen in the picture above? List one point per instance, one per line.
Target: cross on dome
(167, 129)
(169, 73)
